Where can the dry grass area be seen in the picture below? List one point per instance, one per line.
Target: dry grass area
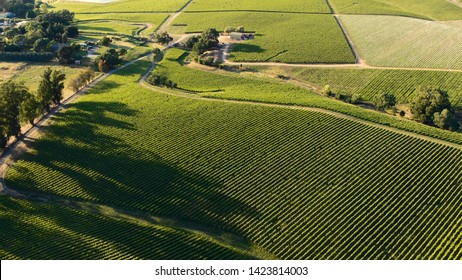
(9, 69)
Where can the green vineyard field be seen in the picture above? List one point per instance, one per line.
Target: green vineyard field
(427, 9)
(298, 184)
(315, 38)
(312, 6)
(32, 230)
(370, 82)
(120, 6)
(240, 87)
(405, 42)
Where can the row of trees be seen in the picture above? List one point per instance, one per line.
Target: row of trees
(161, 81)
(17, 104)
(83, 79)
(429, 105)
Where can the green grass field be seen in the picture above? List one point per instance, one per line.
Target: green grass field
(120, 6)
(240, 87)
(405, 42)
(369, 82)
(316, 38)
(297, 184)
(31, 75)
(312, 6)
(428, 9)
(59, 232)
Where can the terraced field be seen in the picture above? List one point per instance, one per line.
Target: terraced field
(317, 38)
(239, 87)
(405, 42)
(298, 184)
(427, 9)
(312, 6)
(120, 6)
(60, 232)
(369, 82)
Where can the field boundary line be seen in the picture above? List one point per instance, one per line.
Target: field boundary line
(169, 20)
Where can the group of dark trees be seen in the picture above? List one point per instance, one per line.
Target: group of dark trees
(432, 106)
(40, 34)
(161, 81)
(429, 105)
(230, 29)
(162, 38)
(18, 105)
(208, 40)
(110, 59)
(21, 8)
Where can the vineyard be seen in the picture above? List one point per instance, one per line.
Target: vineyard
(123, 6)
(298, 184)
(154, 19)
(120, 27)
(405, 42)
(312, 6)
(317, 38)
(225, 85)
(427, 9)
(60, 232)
(370, 82)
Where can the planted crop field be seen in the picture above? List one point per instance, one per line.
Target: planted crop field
(154, 19)
(119, 27)
(427, 9)
(291, 38)
(370, 82)
(32, 230)
(120, 6)
(297, 184)
(225, 85)
(405, 42)
(312, 6)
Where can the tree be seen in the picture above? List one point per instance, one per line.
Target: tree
(72, 31)
(122, 52)
(385, 101)
(326, 90)
(105, 41)
(163, 38)
(65, 55)
(57, 85)
(427, 101)
(30, 108)
(12, 95)
(108, 60)
(230, 29)
(45, 92)
(40, 45)
(241, 29)
(446, 119)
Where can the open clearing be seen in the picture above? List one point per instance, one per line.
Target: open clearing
(122, 6)
(316, 38)
(428, 9)
(298, 184)
(119, 27)
(312, 6)
(405, 42)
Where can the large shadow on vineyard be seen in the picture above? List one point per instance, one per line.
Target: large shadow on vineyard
(85, 164)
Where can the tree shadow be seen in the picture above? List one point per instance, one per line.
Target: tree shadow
(248, 48)
(84, 160)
